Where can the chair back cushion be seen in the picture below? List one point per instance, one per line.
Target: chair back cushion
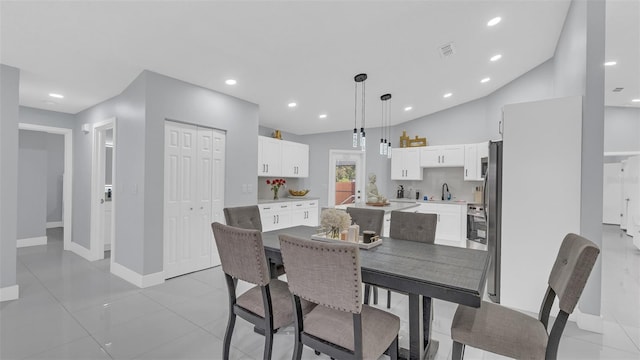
(324, 273)
(245, 217)
(367, 219)
(571, 270)
(413, 226)
(241, 253)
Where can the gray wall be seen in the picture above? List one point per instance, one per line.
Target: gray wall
(46, 118)
(32, 184)
(621, 129)
(9, 85)
(54, 176)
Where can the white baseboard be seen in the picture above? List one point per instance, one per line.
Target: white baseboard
(9, 293)
(107, 247)
(80, 251)
(39, 240)
(54, 224)
(593, 323)
(141, 281)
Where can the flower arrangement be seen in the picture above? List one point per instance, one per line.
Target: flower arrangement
(275, 186)
(334, 221)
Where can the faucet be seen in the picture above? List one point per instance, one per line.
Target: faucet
(448, 194)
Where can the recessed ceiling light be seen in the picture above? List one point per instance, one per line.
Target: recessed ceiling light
(447, 95)
(635, 100)
(408, 108)
(494, 21)
(49, 102)
(230, 82)
(496, 57)
(610, 63)
(485, 80)
(57, 96)
(292, 105)
(323, 116)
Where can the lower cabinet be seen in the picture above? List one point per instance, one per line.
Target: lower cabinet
(281, 215)
(452, 222)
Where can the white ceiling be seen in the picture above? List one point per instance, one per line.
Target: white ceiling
(307, 52)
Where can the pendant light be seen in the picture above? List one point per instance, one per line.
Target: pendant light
(389, 128)
(360, 78)
(384, 146)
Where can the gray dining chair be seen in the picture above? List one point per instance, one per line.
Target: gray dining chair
(267, 305)
(371, 220)
(412, 226)
(507, 332)
(245, 217)
(328, 274)
(248, 217)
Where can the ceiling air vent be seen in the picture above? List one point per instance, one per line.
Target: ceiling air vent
(618, 89)
(446, 50)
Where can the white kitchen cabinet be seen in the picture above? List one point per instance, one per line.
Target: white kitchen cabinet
(451, 228)
(295, 159)
(282, 158)
(269, 156)
(473, 154)
(442, 156)
(405, 164)
(284, 214)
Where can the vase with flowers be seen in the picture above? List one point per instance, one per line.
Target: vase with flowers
(334, 221)
(275, 186)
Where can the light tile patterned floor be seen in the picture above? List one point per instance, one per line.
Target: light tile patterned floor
(70, 308)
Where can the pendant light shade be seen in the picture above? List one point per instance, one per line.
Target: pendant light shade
(359, 79)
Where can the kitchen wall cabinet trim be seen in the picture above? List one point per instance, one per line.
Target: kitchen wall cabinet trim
(405, 164)
(282, 158)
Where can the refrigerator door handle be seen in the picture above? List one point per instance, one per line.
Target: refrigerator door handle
(484, 195)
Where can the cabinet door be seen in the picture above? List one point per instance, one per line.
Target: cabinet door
(268, 217)
(452, 156)
(295, 159)
(430, 157)
(298, 213)
(412, 169)
(269, 156)
(471, 162)
(312, 214)
(397, 164)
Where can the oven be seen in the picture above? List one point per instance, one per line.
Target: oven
(476, 223)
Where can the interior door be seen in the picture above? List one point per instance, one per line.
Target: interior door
(346, 177)
(180, 197)
(217, 186)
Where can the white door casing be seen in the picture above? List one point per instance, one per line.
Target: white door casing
(97, 231)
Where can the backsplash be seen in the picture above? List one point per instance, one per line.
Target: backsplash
(265, 193)
(431, 185)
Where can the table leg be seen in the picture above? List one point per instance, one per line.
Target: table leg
(421, 346)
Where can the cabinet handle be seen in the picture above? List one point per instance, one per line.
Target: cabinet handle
(438, 159)
(443, 159)
(267, 167)
(274, 219)
(466, 172)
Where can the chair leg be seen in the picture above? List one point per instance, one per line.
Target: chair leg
(388, 299)
(393, 349)
(268, 344)
(458, 351)
(227, 335)
(297, 349)
(316, 352)
(375, 295)
(367, 293)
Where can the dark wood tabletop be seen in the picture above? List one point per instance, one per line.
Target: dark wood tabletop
(423, 271)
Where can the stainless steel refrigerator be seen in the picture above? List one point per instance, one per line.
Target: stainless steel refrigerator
(492, 168)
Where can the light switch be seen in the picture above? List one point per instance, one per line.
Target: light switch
(250, 188)
(244, 188)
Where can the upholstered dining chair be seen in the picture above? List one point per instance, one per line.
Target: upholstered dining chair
(248, 217)
(371, 220)
(245, 217)
(328, 274)
(412, 226)
(507, 332)
(268, 304)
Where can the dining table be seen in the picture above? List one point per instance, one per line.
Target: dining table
(421, 270)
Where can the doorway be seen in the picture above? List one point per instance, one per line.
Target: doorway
(103, 199)
(67, 177)
(346, 177)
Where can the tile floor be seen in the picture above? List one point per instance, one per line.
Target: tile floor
(70, 308)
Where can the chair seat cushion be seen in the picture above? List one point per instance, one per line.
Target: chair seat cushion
(379, 328)
(500, 330)
(281, 303)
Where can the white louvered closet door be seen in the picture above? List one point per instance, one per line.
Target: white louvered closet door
(190, 183)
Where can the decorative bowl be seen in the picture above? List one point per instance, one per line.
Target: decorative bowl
(298, 192)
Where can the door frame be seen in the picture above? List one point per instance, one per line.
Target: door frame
(67, 177)
(335, 155)
(96, 243)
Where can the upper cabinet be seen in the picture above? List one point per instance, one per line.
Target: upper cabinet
(282, 158)
(405, 164)
(473, 154)
(442, 156)
(295, 159)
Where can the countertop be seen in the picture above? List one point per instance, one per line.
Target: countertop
(393, 205)
(449, 202)
(287, 199)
